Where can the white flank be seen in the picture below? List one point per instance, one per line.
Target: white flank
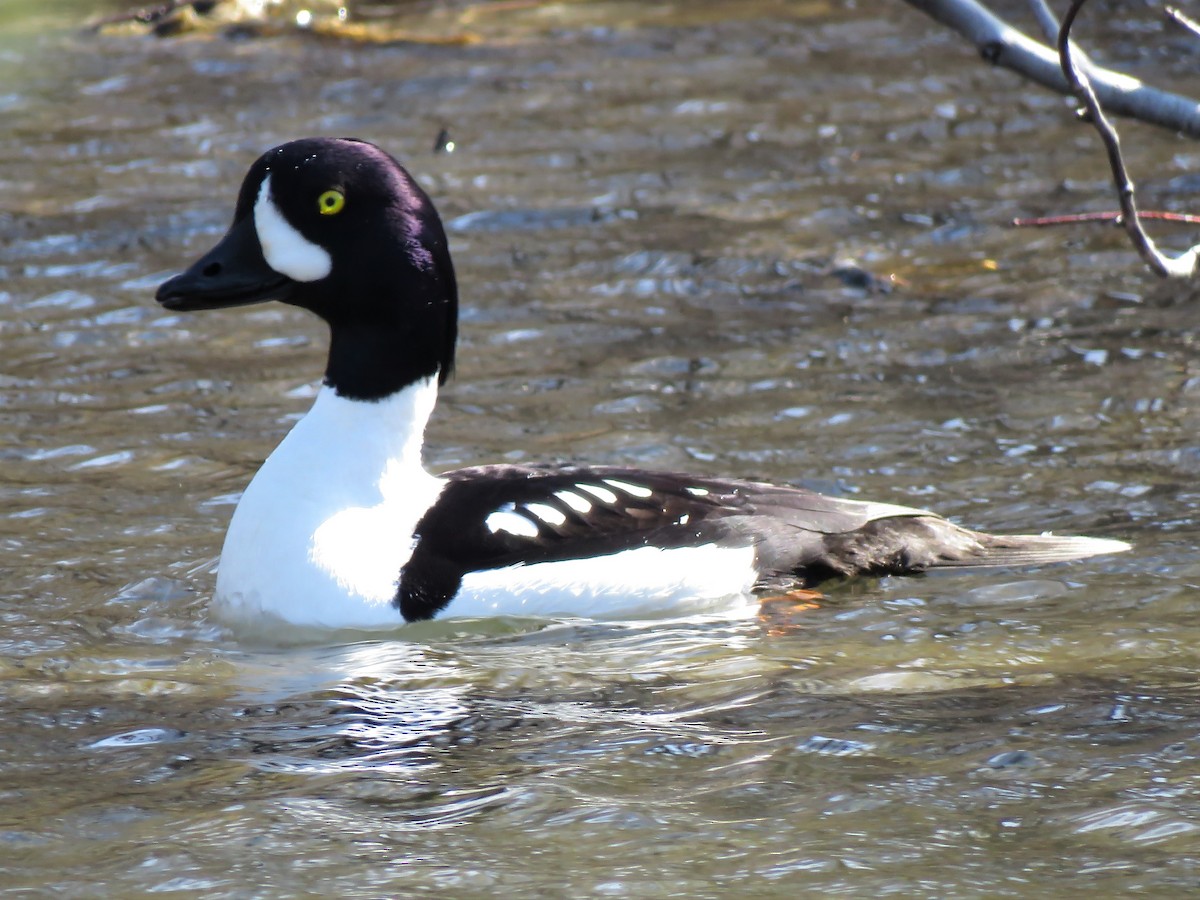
(646, 581)
(504, 519)
(284, 248)
(321, 533)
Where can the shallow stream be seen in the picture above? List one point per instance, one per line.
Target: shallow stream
(653, 209)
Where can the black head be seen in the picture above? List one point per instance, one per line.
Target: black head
(339, 227)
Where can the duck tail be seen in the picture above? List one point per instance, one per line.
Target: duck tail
(1029, 550)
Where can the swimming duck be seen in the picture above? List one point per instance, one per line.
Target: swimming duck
(343, 526)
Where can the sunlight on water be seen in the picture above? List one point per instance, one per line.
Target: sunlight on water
(676, 232)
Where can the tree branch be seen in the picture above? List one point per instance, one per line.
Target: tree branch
(1111, 217)
(1075, 70)
(1047, 21)
(1183, 21)
(1002, 45)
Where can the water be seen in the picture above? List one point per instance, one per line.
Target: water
(648, 210)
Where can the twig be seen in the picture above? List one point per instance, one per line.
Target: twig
(1047, 21)
(1113, 216)
(1002, 45)
(145, 15)
(1182, 266)
(1050, 26)
(1183, 21)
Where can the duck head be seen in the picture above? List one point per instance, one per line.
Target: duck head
(337, 226)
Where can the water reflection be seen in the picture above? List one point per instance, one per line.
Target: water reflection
(653, 208)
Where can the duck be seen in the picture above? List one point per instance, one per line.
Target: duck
(343, 526)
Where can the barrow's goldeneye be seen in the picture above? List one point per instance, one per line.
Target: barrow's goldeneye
(343, 526)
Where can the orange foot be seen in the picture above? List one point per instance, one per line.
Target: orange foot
(776, 611)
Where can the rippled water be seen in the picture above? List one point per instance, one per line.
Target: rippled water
(649, 210)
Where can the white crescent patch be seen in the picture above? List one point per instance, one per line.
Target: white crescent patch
(284, 248)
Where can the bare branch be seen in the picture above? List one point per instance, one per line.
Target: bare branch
(1183, 266)
(1050, 26)
(1113, 217)
(1047, 21)
(1005, 46)
(1183, 21)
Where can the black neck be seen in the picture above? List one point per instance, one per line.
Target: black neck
(373, 362)
(381, 342)
(390, 325)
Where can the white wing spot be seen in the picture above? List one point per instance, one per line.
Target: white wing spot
(684, 519)
(573, 500)
(604, 495)
(547, 514)
(634, 490)
(505, 519)
(698, 492)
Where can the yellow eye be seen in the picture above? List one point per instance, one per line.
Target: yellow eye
(330, 203)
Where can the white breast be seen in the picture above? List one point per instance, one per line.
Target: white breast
(323, 529)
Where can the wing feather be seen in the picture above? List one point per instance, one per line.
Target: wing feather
(490, 517)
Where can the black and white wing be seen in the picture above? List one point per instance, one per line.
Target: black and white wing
(492, 517)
